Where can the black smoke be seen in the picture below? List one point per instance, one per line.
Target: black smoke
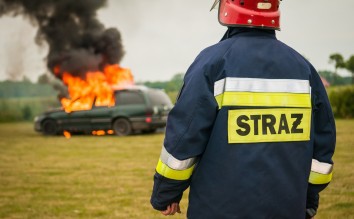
(78, 41)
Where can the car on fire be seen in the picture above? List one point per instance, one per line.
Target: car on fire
(137, 108)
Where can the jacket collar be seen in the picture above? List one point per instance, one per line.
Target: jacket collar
(232, 31)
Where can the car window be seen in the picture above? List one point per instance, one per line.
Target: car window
(158, 97)
(129, 97)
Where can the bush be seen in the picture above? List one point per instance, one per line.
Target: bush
(27, 113)
(14, 89)
(342, 101)
(172, 96)
(25, 109)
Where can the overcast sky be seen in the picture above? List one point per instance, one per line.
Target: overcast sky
(162, 38)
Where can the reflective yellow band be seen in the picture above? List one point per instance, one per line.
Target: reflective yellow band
(264, 99)
(167, 172)
(317, 178)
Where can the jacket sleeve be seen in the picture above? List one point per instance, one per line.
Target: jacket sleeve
(188, 129)
(324, 137)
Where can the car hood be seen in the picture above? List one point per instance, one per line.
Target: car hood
(54, 110)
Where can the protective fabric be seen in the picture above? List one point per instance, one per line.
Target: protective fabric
(246, 156)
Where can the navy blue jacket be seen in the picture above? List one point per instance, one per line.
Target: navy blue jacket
(252, 133)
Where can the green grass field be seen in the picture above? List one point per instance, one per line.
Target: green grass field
(111, 177)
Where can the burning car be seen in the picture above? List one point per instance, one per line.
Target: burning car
(136, 108)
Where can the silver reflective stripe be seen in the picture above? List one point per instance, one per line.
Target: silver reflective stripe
(174, 163)
(261, 85)
(320, 167)
(219, 87)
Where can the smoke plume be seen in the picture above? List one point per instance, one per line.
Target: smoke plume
(15, 58)
(77, 41)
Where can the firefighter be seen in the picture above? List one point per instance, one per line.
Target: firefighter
(252, 132)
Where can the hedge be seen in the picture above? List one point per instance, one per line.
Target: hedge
(342, 101)
(25, 109)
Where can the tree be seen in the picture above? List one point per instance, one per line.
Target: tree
(175, 83)
(43, 79)
(169, 86)
(338, 61)
(333, 78)
(349, 64)
(178, 78)
(26, 80)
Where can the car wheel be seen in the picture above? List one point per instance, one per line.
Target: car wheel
(50, 127)
(122, 127)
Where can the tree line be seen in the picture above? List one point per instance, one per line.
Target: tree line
(25, 88)
(47, 85)
(46, 88)
(340, 63)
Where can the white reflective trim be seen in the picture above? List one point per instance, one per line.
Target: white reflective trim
(219, 87)
(320, 167)
(174, 163)
(261, 85)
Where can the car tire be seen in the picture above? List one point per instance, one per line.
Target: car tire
(50, 127)
(122, 127)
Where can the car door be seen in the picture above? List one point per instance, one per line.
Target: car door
(100, 117)
(130, 104)
(78, 121)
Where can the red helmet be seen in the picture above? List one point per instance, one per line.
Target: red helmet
(249, 13)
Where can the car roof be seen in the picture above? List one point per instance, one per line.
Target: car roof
(131, 87)
(134, 87)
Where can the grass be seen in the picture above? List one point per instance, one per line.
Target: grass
(111, 177)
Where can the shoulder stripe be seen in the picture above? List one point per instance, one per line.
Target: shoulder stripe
(230, 84)
(262, 92)
(263, 99)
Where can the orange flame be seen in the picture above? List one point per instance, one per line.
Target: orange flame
(98, 88)
(56, 69)
(120, 80)
(67, 134)
(99, 132)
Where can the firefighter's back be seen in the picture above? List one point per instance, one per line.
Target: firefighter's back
(258, 158)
